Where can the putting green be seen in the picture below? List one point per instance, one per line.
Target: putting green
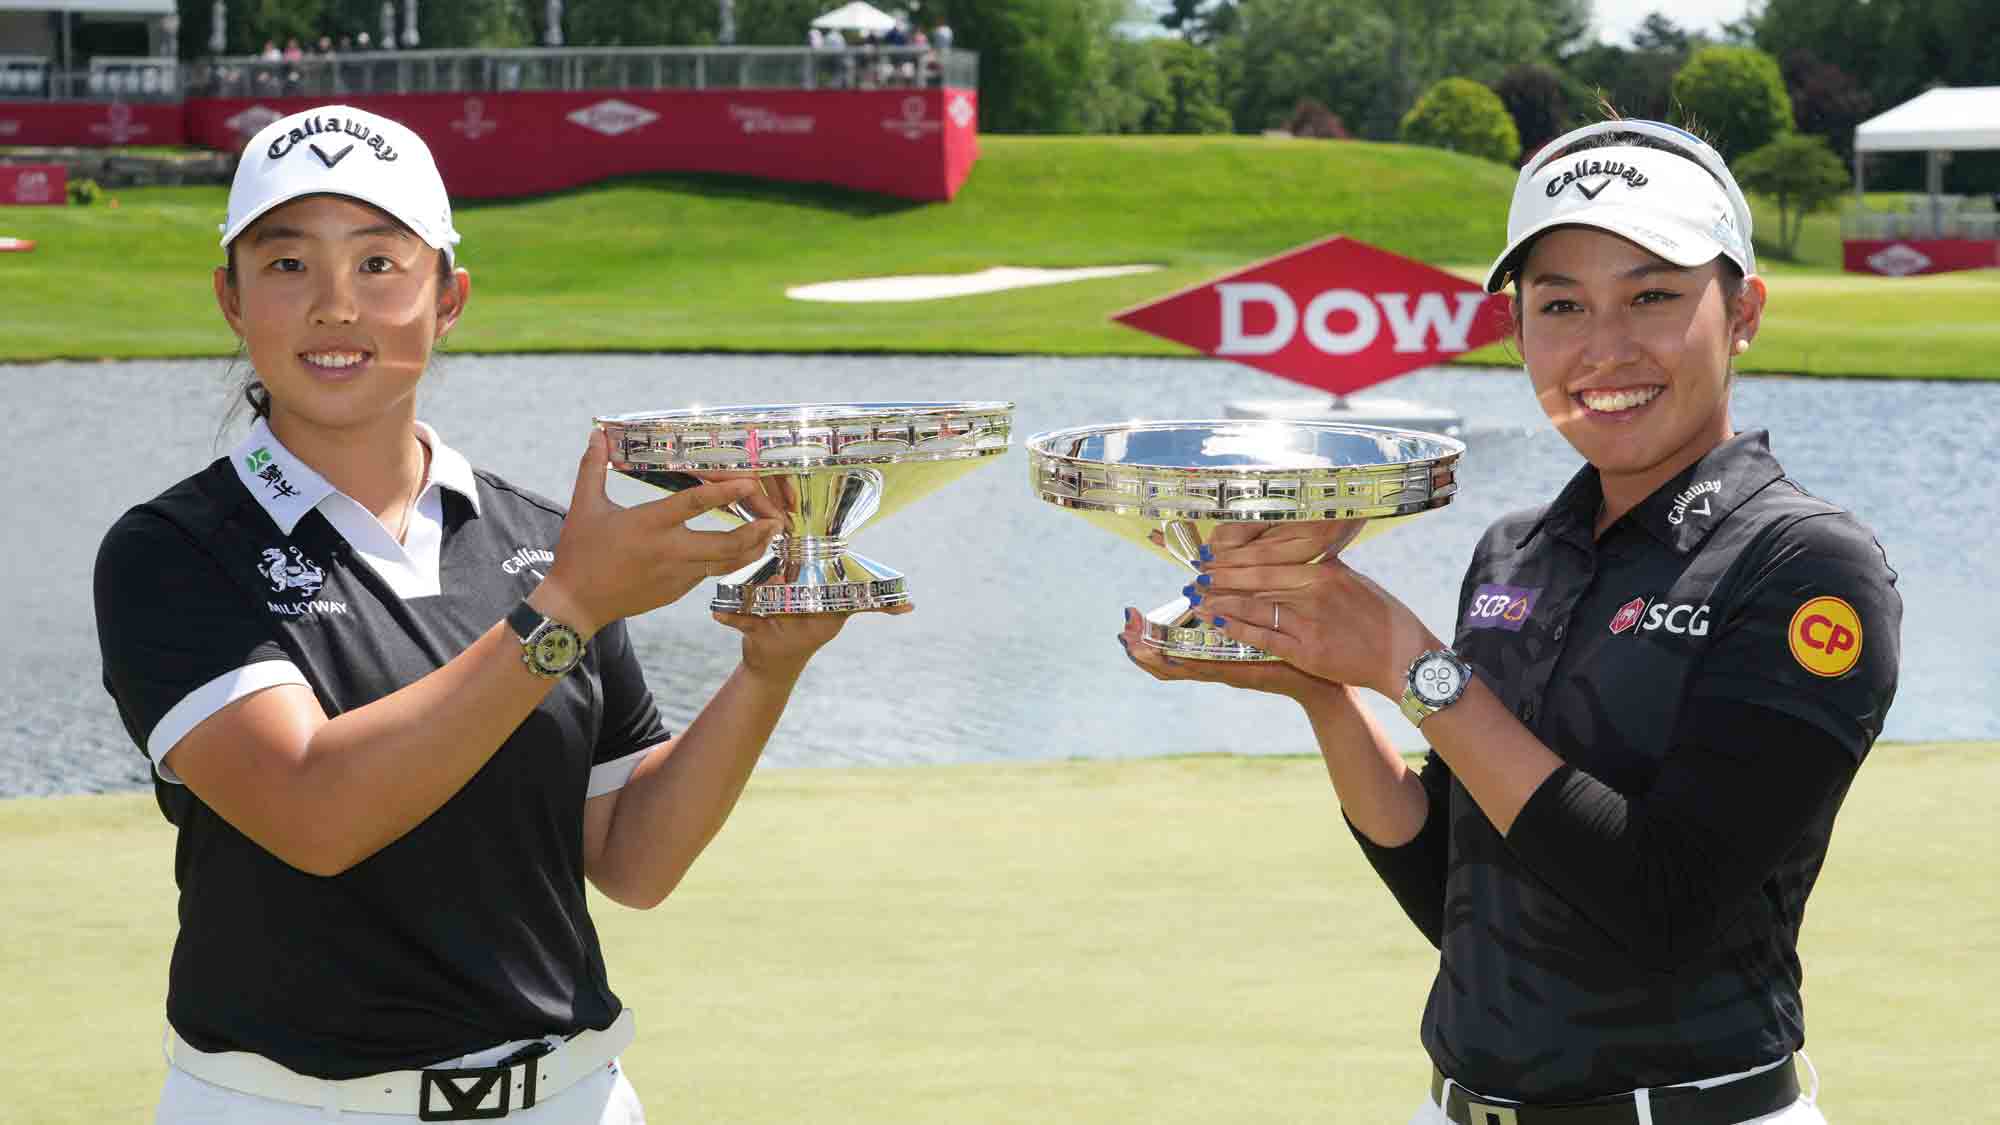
(1166, 940)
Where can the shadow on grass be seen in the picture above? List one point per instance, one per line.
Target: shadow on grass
(822, 197)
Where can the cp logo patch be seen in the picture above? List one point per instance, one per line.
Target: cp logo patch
(1825, 636)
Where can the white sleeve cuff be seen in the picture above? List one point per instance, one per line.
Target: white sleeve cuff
(211, 697)
(611, 776)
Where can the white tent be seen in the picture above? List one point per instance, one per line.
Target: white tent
(857, 16)
(1944, 118)
(1936, 121)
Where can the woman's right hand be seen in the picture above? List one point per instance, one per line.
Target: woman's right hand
(613, 561)
(1275, 677)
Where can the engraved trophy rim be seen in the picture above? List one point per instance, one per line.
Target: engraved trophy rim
(1176, 494)
(1154, 490)
(815, 428)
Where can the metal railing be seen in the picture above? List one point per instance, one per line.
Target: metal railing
(488, 71)
(1954, 217)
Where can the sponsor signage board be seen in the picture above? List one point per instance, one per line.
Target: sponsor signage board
(1337, 314)
(1909, 256)
(29, 185)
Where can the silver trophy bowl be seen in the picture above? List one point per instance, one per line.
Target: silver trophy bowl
(1167, 487)
(830, 467)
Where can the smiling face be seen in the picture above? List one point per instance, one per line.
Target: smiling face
(1629, 353)
(338, 306)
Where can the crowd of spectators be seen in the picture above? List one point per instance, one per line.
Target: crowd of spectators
(905, 55)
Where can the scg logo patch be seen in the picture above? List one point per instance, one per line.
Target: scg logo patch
(1500, 607)
(1641, 615)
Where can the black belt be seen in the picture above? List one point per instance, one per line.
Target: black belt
(1727, 1104)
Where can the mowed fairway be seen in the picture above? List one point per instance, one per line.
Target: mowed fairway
(1185, 940)
(702, 263)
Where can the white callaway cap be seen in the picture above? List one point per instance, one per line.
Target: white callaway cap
(339, 150)
(1685, 208)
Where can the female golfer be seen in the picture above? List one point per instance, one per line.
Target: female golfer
(1660, 684)
(389, 700)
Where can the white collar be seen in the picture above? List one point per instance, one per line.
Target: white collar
(288, 488)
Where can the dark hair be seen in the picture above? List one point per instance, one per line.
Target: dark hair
(251, 391)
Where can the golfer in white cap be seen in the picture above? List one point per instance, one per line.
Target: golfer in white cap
(389, 700)
(1659, 686)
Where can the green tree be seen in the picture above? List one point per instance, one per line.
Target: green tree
(1191, 101)
(1199, 21)
(1537, 101)
(1042, 63)
(1464, 116)
(1801, 173)
(1736, 95)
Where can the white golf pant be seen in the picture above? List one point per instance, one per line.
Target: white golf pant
(604, 1098)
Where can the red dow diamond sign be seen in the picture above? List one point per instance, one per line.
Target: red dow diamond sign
(1336, 314)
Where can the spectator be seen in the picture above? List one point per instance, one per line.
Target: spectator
(362, 42)
(813, 38)
(347, 43)
(942, 37)
(325, 46)
(293, 52)
(270, 52)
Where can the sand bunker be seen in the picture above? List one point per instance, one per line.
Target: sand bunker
(932, 287)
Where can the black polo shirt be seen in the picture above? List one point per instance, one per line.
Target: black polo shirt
(1711, 671)
(471, 929)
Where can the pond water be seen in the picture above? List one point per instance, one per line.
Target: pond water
(1011, 653)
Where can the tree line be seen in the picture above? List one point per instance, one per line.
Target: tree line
(1334, 68)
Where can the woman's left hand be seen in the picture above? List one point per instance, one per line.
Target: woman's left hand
(781, 644)
(1324, 618)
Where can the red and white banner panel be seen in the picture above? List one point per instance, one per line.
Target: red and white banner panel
(1902, 257)
(29, 184)
(913, 143)
(92, 124)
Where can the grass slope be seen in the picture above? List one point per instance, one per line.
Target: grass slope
(687, 263)
(1177, 940)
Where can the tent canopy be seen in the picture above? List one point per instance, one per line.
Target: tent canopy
(1965, 117)
(857, 16)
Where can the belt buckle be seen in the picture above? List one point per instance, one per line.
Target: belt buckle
(1480, 1113)
(463, 1102)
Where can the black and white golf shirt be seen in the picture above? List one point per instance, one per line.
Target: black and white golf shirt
(471, 929)
(1711, 670)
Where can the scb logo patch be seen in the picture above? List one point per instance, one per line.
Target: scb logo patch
(1500, 607)
(1825, 636)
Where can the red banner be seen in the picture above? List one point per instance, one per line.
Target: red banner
(1901, 258)
(917, 144)
(1336, 314)
(913, 143)
(92, 124)
(26, 184)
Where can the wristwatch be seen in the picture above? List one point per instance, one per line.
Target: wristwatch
(1437, 679)
(549, 648)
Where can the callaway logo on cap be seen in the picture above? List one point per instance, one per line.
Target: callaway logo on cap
(1683, 206)
(340, 150)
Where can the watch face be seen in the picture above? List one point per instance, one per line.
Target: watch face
(1437, 680)
(555, 649)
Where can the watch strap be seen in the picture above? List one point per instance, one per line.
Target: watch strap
(524, 619)
(1414, 706)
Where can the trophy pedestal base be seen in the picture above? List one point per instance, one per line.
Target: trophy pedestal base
(843, 583)
(1177, 632)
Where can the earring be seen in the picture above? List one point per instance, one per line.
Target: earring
(1742, 346)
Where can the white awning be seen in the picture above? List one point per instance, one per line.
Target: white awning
(858, 16)
(1965, 117)
(94, 7)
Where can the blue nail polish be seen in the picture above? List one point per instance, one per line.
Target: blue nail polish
(1203, 580)
(1206, 554)
(1220, 622)
(1192, 597)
